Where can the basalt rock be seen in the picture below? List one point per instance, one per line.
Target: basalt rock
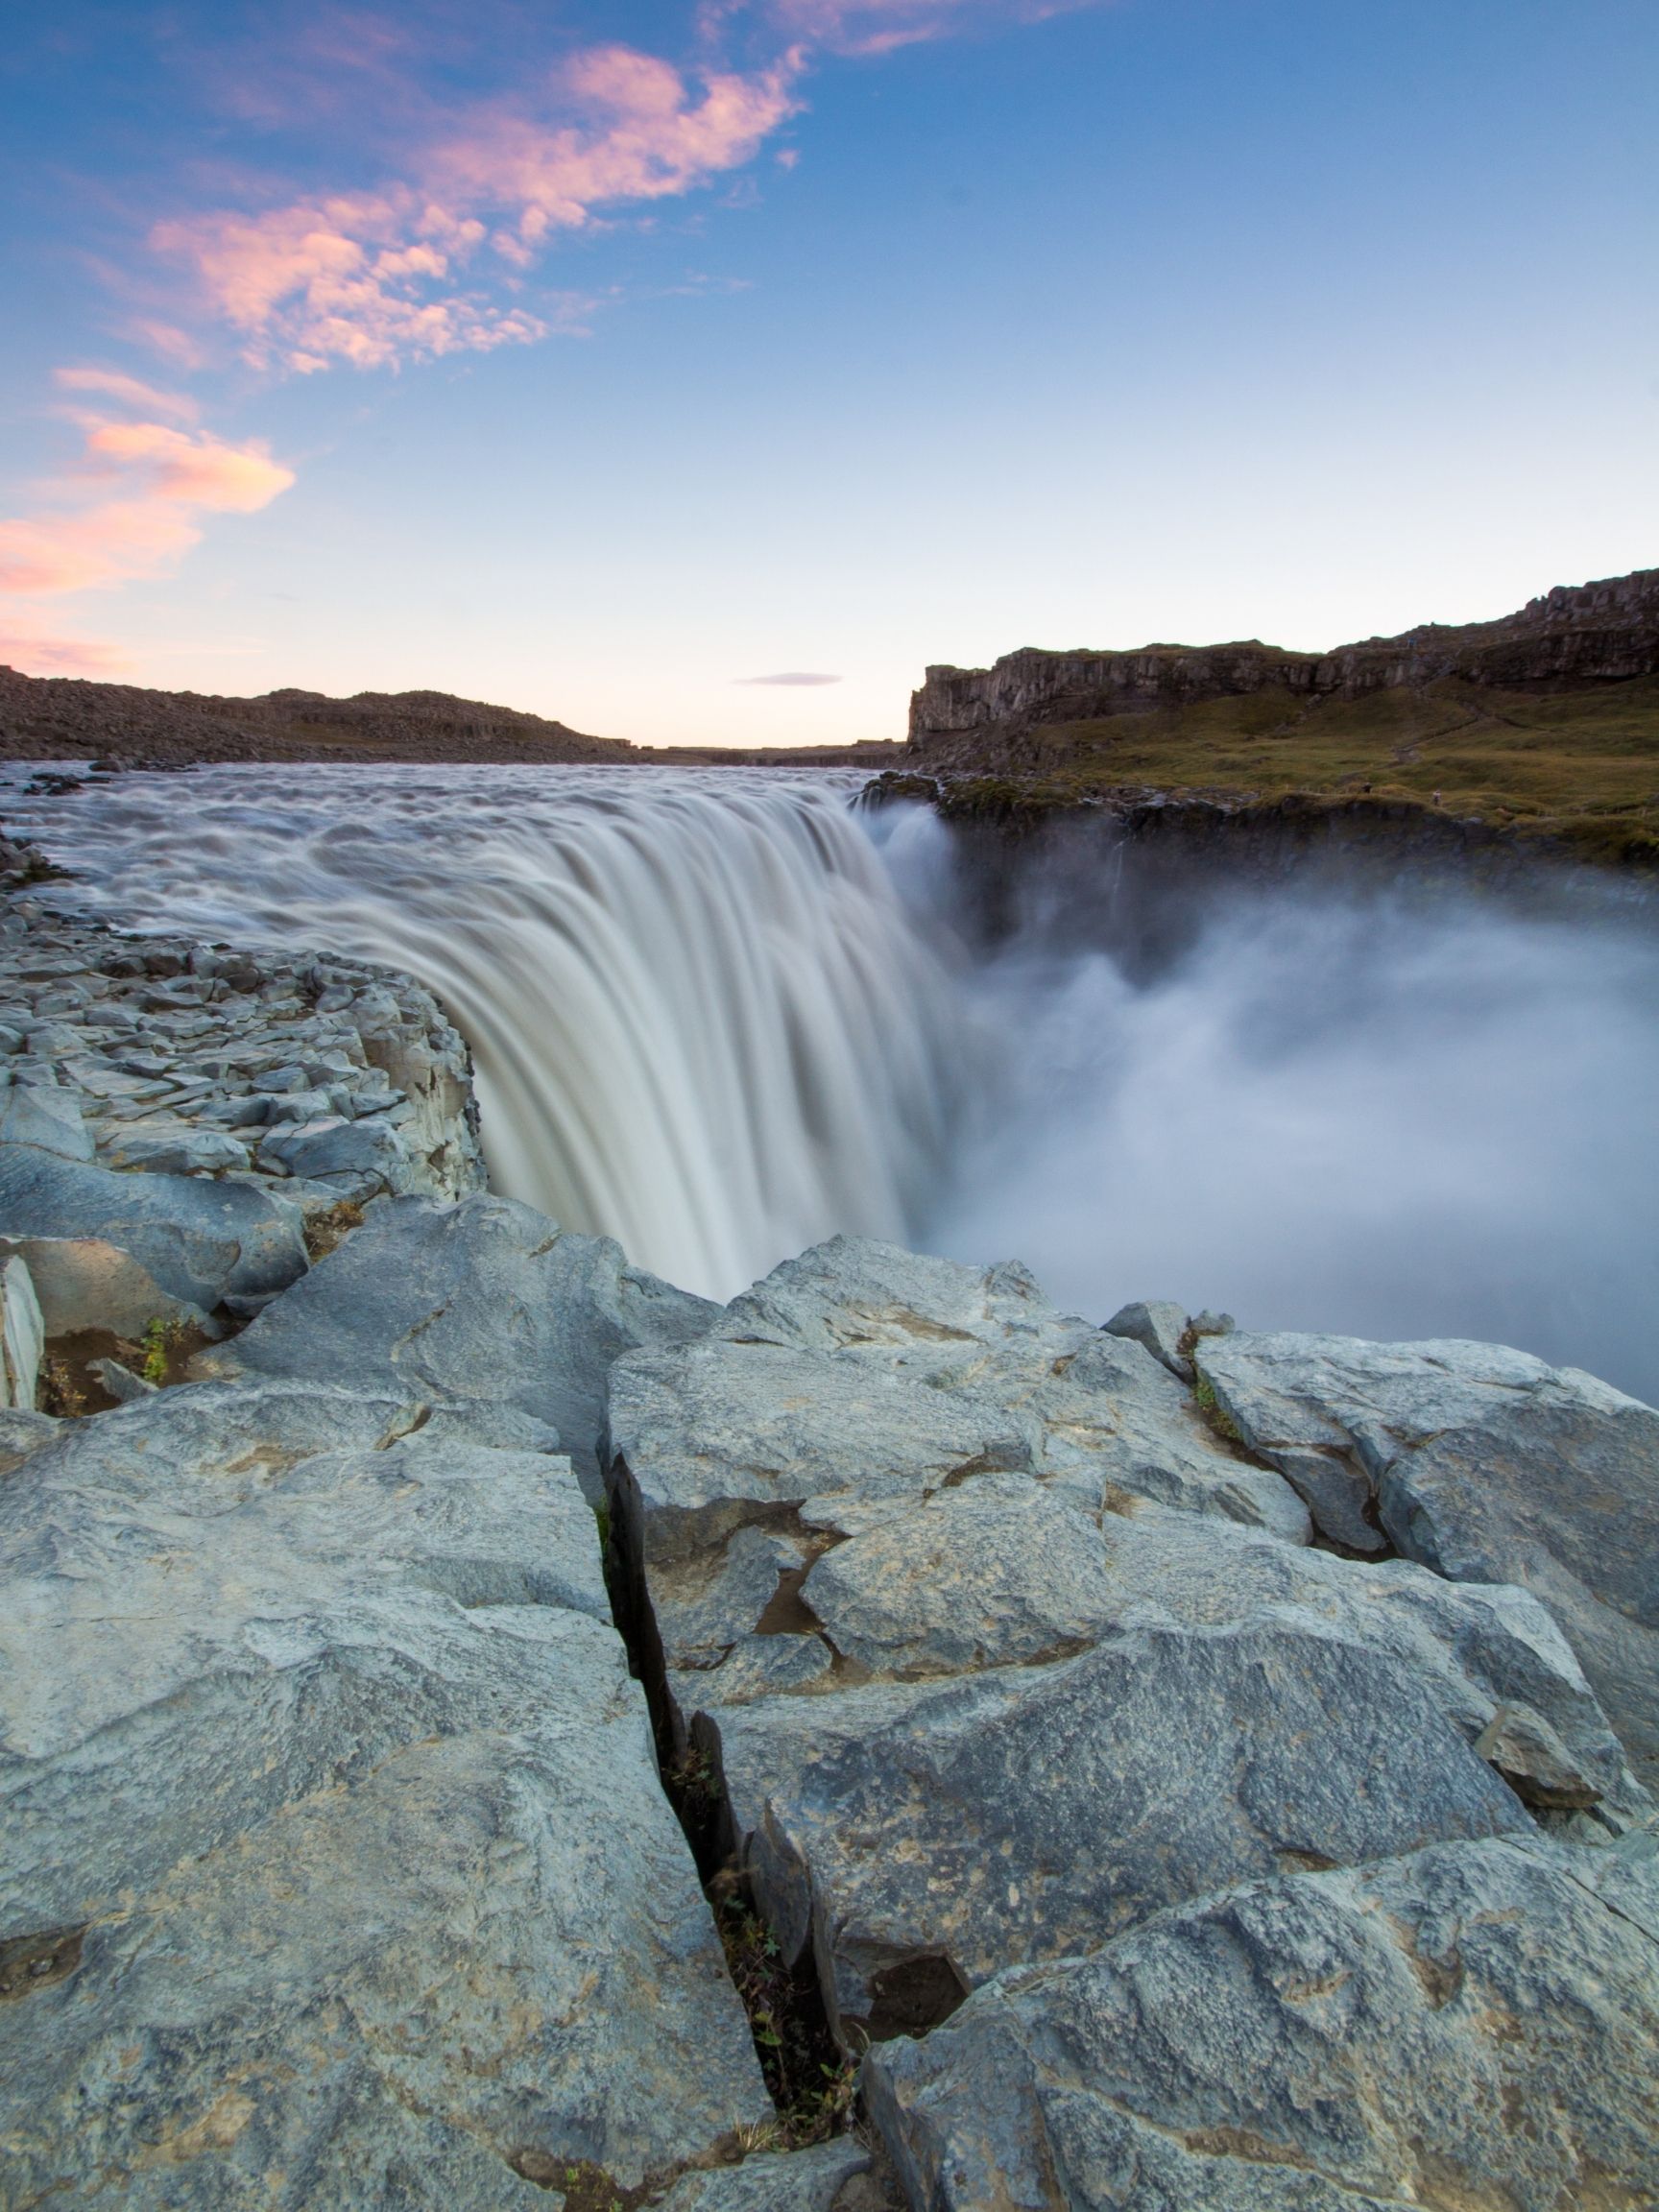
(951, 1597)
(336, 1869)
(482, 1301)
(1596, 633)
(1476, 2025)
(1486, 1464)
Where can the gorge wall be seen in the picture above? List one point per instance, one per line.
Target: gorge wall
(1598, 633)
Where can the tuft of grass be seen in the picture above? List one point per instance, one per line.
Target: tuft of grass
(812, 2085)
(324, 1232)
(1214, 1412)
(166, 1347)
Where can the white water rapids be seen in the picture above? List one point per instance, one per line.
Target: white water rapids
(721, 1016)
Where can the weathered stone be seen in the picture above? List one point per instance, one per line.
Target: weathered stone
(1475, 2026)
(1157, 1323)
(198, 1238)
(778, 2181)
(21, 1433)
(22, 1334)
(1489, 1466)
(173, 1148)
(487, 1299)
(868, 1371)
(41, 1115)
(1023, 1813)
(1145, 1708)
(85, 1282)
(334, 1147)
(326, 1793)
(120, 1382)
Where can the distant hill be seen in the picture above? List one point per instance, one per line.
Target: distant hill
(64, 718)
(54, 717)
(1544, 721)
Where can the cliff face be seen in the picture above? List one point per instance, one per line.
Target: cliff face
(1589, 634)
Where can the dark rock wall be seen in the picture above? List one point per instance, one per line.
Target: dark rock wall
(1592, 633)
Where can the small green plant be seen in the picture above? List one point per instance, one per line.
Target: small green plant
(1217, 1414)
(162, 1343)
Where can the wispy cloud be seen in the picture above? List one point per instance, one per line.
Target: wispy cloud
(790, 677)
(875, 27)
(133, 506)
(41, 653)
(379, 278)
(109, 384)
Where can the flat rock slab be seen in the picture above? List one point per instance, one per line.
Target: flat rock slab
(1486, 1465)
(483, 1300)
(198, 1239)
(336, 1869)
(1476, 2026)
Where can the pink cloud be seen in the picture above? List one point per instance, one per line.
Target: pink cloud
(167, 479)
(880, 26)
(128, 392)
(34, 653)
(346, 278)
(375, 278)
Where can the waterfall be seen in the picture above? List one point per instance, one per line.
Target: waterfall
(701, 1020)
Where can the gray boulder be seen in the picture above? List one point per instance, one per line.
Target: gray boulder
(196, 1238)
(1159, 1324)
(173, 1148)
(486, 1299)
(860, 1370)
(920, 1838)
(1000, 1572)
(1486, 1465)
(971, 1693)
(337, 1146)
(83, 1282)
(1474, 2026)
(334, 1842)
(22, 1433)
(45, 1117)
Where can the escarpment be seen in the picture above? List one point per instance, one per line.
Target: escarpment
(1604, 633)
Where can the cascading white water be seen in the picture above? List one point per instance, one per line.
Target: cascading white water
(702, 1021)
(708, 1020)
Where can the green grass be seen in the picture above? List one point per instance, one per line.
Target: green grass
(1582, 767)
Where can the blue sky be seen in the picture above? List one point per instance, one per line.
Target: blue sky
(601, 360)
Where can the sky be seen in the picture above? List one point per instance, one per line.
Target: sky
(698, 374)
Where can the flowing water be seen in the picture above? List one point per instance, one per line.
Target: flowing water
(722, 1017)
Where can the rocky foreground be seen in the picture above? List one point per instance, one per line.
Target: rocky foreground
(483, 1727)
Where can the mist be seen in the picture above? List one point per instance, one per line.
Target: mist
(1352, 1107)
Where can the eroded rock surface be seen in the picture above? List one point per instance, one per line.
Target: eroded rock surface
(159, 1056)
(486, 1300)
(1486, 1464)
(961, 1603)
(1476, 2025)
(336, 1867)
